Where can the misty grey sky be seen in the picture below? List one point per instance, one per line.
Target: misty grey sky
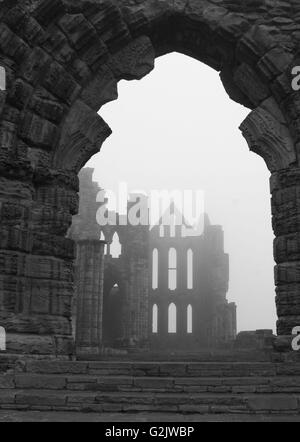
(178, 129)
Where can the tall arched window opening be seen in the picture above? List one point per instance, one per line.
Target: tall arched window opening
(172, 318)
(172, 269)
(155, 269)
(190, 269)
(155, 319)
(116, 247)
(190, 319)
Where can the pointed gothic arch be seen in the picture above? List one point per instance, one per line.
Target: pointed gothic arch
(116, 246)
(63, 65)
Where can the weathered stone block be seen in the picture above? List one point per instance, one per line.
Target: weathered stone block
(83, 37)
(64, 345)
(250, 84)
(47, 398)
(26, 381)
(56, 367)
(37, 131)
(57, 43)
(46, 12)
(28, 325)
(21, 22)
(287, 248)
(58, 197)
(153, 384)
(16, 239)
(51, 245)
(194, 409)
(35, 66)
(273, 403)
(46, 106)
(7, 397)
(274, 63)
(7, 382)
(13, 46)
(60, 83)
(135, 61)
(24, 344)
(102, 89)
(109, 23)
(47, 219)
(287, 273)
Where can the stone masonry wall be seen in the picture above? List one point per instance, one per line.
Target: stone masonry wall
(63, 60)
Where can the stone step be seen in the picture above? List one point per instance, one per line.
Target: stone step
(162, 369)
(13, 416)
(184, 356)
(236, 385)
(201, 403)
(153, 387)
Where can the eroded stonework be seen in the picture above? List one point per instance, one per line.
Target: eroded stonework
(63, 60)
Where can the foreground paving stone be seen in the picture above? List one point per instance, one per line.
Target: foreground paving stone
(274, 403)
(32, 416)
(185, 388)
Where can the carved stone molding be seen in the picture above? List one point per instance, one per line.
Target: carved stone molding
(269, 138)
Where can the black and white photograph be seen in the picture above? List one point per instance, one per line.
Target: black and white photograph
(149, 214)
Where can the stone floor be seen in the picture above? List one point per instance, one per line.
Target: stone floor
(157, 391)
(31, 416)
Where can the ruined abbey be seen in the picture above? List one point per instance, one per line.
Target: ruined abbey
(162, 291)
(62, 61)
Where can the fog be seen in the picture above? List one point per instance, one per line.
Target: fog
(178, 129)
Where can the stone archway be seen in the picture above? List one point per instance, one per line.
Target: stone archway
(63, 60)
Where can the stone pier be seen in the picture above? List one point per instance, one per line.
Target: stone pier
(89, 297)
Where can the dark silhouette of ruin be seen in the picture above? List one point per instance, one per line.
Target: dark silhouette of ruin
(164, 290)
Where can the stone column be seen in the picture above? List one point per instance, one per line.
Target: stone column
(36, 263)
(181, 270)
(181, 319)
(162, 269)
(162, 335)
(89, 291)
(285, 188)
